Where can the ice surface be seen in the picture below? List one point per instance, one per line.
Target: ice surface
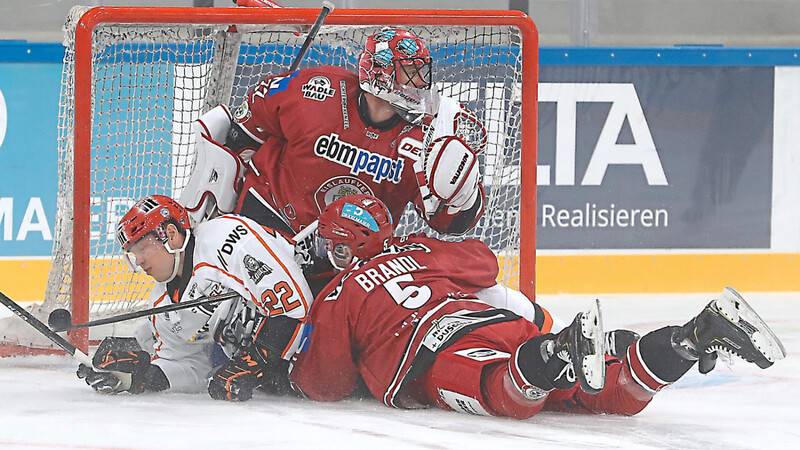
(43, 405)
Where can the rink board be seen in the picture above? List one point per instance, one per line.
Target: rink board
(25, 279)
(748, 237)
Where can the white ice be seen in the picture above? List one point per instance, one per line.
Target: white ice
(43, 405)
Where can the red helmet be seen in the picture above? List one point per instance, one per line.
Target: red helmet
(150, 214)
(361, 221)
(393, 51)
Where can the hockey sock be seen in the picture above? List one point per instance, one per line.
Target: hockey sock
(658, 355)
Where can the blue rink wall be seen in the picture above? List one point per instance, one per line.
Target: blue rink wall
(659, 169)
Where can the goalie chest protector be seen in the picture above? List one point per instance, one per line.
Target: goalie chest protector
(316, 148)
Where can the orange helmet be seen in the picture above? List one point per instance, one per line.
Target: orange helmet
(150, 214)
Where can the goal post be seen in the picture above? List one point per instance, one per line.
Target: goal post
(135, 78)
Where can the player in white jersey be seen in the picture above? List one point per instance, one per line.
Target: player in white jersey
(228, 253)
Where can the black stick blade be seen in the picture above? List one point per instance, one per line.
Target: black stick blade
(59, 320)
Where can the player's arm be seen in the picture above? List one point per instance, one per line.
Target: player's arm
(129, 359)
(264, 265)
(259, 117)
(451, 196)
(272, 342)
(327, 349)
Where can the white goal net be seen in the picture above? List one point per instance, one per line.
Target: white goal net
(150, 81)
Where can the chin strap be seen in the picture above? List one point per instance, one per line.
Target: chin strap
(338, 267)
(177, 254)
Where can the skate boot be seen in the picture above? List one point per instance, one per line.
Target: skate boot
(580, 347)
(730, 325)
(550, 361)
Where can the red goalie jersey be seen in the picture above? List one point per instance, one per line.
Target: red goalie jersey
(315, 148)
(383, 320)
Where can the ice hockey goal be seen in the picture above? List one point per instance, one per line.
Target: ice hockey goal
(135, 78)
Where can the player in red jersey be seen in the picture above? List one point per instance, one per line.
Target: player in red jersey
(314, 135)
(406, 317)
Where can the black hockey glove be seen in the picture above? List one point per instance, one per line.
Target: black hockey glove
(102, 382)
(238, 331)
(123, 367)
(238, 377)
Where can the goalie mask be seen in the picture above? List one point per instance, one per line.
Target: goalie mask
(395, 66)
(151, 215)
(352, 228)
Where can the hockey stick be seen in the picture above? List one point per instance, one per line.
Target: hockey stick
(60, 319)
(47, 332)
(305, 232)
(327, 7)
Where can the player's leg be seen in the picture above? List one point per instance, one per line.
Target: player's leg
(728, 324)
(472, 375)
(508, 369)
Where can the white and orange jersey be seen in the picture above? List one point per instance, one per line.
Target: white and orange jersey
(227, 253)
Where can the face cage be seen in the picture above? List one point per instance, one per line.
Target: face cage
(324, 248)
(413, 68)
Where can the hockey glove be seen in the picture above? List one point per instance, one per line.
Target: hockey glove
(238, 330)
(238, 377)
(102, 382)
(451, 171)
(124, 367)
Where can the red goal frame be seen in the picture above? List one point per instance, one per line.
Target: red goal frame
(295, 16)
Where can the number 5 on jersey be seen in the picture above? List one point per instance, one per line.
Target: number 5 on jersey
(410, 296)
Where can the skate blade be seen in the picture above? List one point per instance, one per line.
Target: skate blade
(733, 306)
(593, 366)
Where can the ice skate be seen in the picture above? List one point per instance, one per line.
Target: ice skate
(728, 324)
(581, 346)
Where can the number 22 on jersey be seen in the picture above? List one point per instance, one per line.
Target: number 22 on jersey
(277, 300)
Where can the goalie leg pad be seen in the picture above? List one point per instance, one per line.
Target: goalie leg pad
(215, 181)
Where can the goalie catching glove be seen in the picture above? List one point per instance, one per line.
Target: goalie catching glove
(123, 367)
(448, 172)
(451, 171)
